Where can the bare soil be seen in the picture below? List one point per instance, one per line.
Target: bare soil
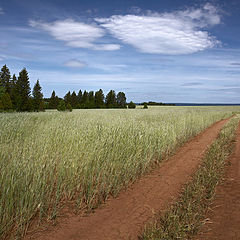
(224, 219)
(125, 216)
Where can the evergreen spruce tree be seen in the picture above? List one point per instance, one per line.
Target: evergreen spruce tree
(99, 99)
(74, 100)
(54, 101)
(84, 102)
(13, 92)
(37, 96)
(79, 96)
(67, 98)
(23, 91)
(5, 79)
(121, 100)
(111, 101)
(91, 100)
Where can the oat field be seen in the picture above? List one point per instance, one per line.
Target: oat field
(84, 156)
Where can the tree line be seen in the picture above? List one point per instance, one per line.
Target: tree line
(15, 95)
(15, 92)
(89, 100)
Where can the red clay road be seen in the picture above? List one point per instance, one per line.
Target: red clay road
(224, 221)
(125, 216)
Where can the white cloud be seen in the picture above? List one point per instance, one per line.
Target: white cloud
(174, 33)
(75, 63)
(76, 34)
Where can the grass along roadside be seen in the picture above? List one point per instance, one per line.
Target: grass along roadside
(187, 215)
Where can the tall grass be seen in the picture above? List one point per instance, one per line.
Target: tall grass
(85, 156)
(184, 219)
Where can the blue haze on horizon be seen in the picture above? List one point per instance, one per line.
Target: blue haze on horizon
(164, 51)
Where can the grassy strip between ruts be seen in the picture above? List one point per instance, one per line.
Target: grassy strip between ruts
(185, 217)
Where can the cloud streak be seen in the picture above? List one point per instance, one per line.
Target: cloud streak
(74, 63)
(180, 32)
(76, 34)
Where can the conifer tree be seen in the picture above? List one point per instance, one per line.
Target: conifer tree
(54, 101)
(23, 91)
(13, 92)
(111, 101)
(121, 100)
(67, 98)
(79, 96)
(74, 100)
(99, 99)
(91, 100)
(37, 96)
(5, 78)
(84, 102)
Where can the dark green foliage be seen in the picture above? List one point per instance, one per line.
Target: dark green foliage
(84, 101)
(145, 106)
(6, 101)
(1, 106)
(74, 100)
(67, 98)
(37, 97)
(5, 79)
(2, 91)
(13, 91)
(69, 107)
(121, 100)
(61, 106)
(91, 100)
(79, 96)
(99, 99)
(53, 101)
(23, 91)
(111, 101)
(131, 105)
(42, 106)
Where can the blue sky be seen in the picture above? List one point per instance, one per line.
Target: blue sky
(169, 51)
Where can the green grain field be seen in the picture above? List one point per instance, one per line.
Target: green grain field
(48, 159)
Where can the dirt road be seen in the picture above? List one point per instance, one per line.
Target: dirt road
(224, 220)
(125, 216)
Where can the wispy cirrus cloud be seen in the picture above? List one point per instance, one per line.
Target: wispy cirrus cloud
(179, 32)
(191, 84)
(1, 11)
(76, 34)
(75, 63)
